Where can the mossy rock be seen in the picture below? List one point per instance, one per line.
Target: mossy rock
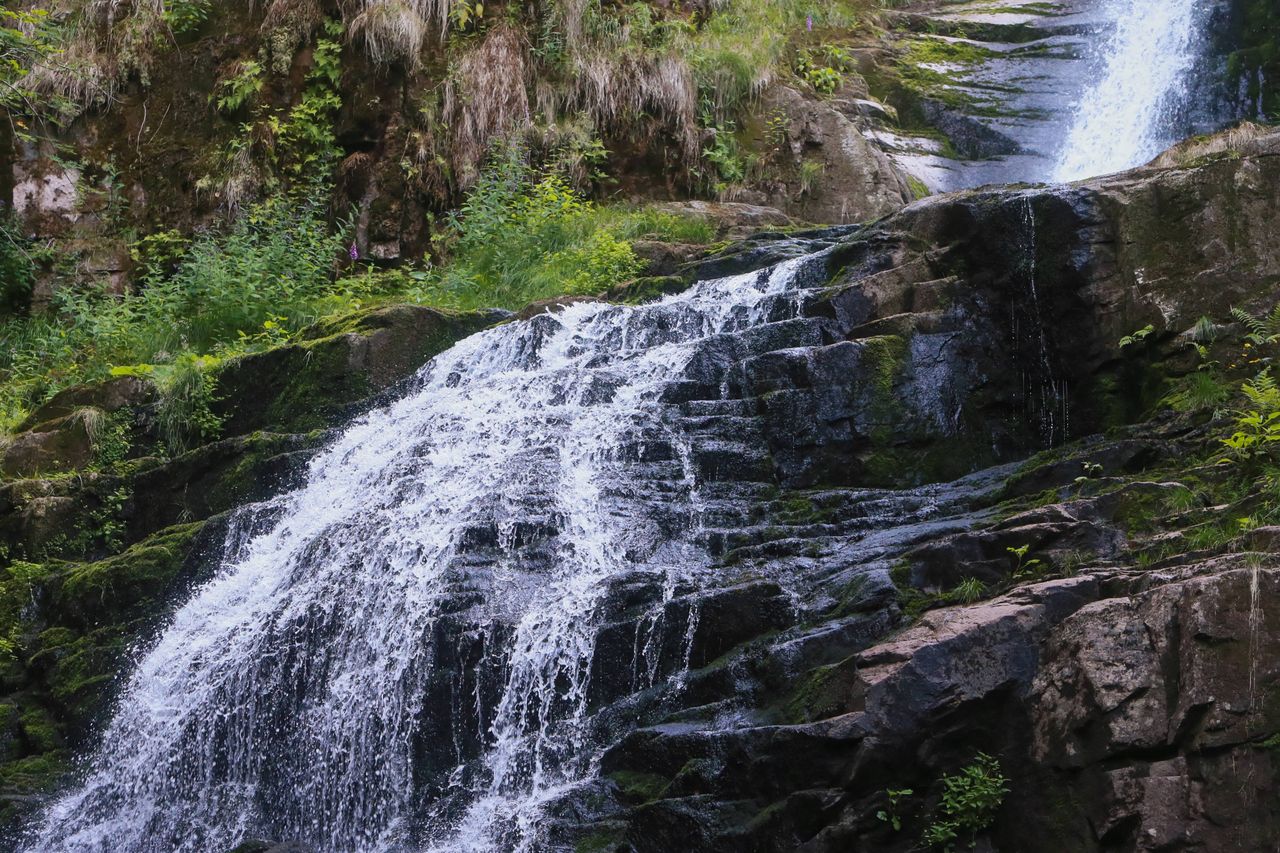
(638, 787)
(216, 478)
(62, 444)
(109, 396)
(123, 587)
(338, 364)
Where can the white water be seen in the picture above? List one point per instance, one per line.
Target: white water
(288, 697)
(1124, 119)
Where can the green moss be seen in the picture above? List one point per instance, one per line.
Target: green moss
(823, 693)
(599, 842)
(640, 787)
(118, 587)
(39, 730)
(650, 289)
(35, 773)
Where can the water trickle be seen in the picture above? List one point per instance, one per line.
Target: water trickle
(1129, 115)
(1042, 386)
(403, 659)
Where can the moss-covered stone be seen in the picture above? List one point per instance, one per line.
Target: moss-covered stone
(124, 586)
(339, 363)
(638, 787)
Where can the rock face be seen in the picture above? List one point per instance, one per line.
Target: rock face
(1130, 704)
(896, 594)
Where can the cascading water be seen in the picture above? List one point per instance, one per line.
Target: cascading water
(1128, 116)
(358, 677)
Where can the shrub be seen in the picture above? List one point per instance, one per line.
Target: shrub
(17, 271)
(273, 264)
(522, 236)
(970, 801)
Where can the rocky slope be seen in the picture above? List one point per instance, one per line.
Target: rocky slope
(1116, 654)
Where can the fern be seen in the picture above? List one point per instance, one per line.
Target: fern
(1262, 329)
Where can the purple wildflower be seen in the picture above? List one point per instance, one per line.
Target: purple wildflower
(354, 252)
(809, 22)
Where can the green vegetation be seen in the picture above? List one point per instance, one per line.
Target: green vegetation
(970, 801)
(275, 261)
(521, 237)
(1024, 568)
(891, 815)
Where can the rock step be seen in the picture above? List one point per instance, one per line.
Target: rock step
(711, 408)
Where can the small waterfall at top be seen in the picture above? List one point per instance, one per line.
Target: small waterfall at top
(1129, 115)
(404, 660)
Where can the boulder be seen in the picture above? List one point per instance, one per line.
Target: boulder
(61, 444)
(854, 180)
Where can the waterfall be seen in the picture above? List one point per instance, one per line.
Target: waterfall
(1129, 115)
(403, 661)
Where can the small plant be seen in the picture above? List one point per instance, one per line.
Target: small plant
(968, 591)
(466, 14)
(724, 154)
(890, 815)
(1137, 337)
(105, 522)
(1262, 330)
(185, 16)
(970, 801)
(109, 436)
(1022, 567)
(1256, 438)
(1198, 392)
(185, 415)
(811, 172)
(240, 89)
(823, 68)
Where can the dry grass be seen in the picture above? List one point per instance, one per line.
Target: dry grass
(619, 92)
(397, 30)
(486, 98)
(82, 75)
(1238, 140)
(391, 30)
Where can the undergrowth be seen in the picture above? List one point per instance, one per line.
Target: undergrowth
(521, 236)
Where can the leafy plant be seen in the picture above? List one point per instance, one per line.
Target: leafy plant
(725, 155)
(1022, 567)
(185, 414)
(1137, 337)
(466, 13)
(17, 268)
(890, 815)
(1256, 436)
(522, 235)
(275, 263)
(1263, 329)
(241, 89)
(823, 69)
(970, 801)
(185, 16)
